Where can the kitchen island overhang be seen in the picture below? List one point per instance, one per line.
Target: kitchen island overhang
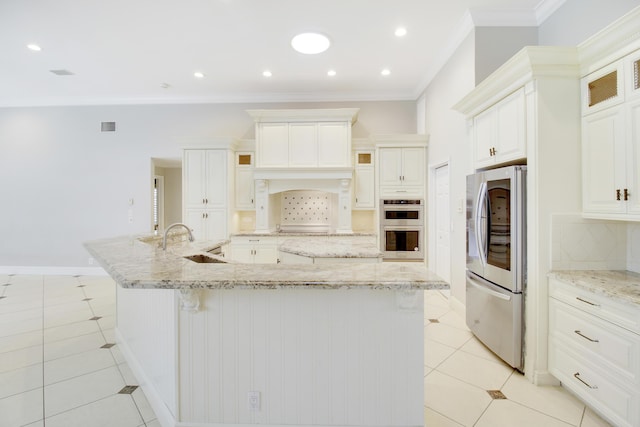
(321, 345)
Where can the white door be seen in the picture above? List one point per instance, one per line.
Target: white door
(443, 224)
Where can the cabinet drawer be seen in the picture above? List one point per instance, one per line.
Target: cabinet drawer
(618, 403)
(623, 315)
(254, 240)
(606, 344)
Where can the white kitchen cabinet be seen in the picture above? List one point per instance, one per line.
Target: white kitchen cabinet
(594, 350)
(303, 144)
(207, 224)
(499, 132)
(364, 180)
(254, 250)
(401, 171)
(611, 142)
(245, 187)
(205, 192)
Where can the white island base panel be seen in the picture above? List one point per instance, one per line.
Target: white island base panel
(321, 357)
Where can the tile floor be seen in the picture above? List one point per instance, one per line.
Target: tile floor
(458, 368)
(59, 367)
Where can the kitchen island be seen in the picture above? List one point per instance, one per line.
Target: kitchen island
(215, 343)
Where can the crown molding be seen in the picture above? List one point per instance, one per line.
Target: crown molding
(611, 43)
(546, 8)
(504, 18)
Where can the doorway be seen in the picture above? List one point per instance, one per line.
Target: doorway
(441, 224)
(166, 193)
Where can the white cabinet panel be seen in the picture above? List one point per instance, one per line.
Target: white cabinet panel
(603, 157)
(303, 145)
(332, 149)
(402, 171)
(272, 144)
(194, 172)
(633, 159)
(500, 132)
(245, 185)
(364, 188)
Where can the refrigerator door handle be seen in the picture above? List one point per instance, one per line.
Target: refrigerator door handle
(481, 229)
(488, 291)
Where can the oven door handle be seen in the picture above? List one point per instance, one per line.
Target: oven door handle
(481, 229)
(486, 290)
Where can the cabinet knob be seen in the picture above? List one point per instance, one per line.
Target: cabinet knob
(618, 194)
(626, 194)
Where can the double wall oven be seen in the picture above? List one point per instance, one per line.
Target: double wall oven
(402, 229)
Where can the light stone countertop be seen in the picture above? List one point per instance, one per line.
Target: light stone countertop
(333, 248)
(619, 285)
(133, 263)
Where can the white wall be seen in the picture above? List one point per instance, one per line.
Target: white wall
(495, 45)
(577, 20)
(447, 130)
(64, 182)
(633, 247)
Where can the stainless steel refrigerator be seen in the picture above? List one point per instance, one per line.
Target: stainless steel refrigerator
(497, 260)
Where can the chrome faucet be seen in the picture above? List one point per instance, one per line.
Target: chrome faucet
(164, 238)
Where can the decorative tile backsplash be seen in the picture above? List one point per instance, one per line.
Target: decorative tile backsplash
(583, 244)
(306, 210)
(633, 247)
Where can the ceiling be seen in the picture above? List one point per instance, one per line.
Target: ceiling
(146, 51)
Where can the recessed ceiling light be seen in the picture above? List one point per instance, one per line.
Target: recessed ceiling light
(310, 43)
(401, 32)
(385, 72)
(331, 73)
(198, 75)
(34, 47)
(267, 73)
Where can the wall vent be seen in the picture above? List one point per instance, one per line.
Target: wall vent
(62, 72)
(108, 127)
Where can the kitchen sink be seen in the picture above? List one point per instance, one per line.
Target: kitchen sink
(204, 259)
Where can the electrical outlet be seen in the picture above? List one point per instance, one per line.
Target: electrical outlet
(130, 216)
(253, 400)
(90, 261)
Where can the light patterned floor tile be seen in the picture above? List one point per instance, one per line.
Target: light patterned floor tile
(70, 330)
(65, 395)
(19, 341)
(21, 409)
(477, 371)
(591, 419)
(117, 410)
(445, 395)
(503, 413)
(447, 335)
(434, 419)
(74, 345)
(20, 358)
(554, 401)
(474, 346)
(20, 380)
(436, 353)
(78, 364)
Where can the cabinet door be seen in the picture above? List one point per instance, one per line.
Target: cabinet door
(413, 166)
(272, 144)
(334, 148)
(603, 162)
(364, 183)
(633, 160)
(216, 224)
(265, 254)
(484, 137)
(244, 189)
(193, 171)
(216, 178)
(303, 145)
(390, 166)
(511, 128)
(195, 220)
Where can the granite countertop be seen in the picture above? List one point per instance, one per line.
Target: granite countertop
(335, 248)
(140, 262)
(622, 286)
(304, 234)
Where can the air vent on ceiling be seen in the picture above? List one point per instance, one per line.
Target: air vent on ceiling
(108, 127)
(62, 72)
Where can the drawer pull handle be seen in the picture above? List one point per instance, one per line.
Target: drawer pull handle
(588, 302)
(585, 337)
(577, 376)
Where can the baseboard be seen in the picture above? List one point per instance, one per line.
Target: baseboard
(544, 378)
(164, 416)
(458, 307)
(52, 271)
